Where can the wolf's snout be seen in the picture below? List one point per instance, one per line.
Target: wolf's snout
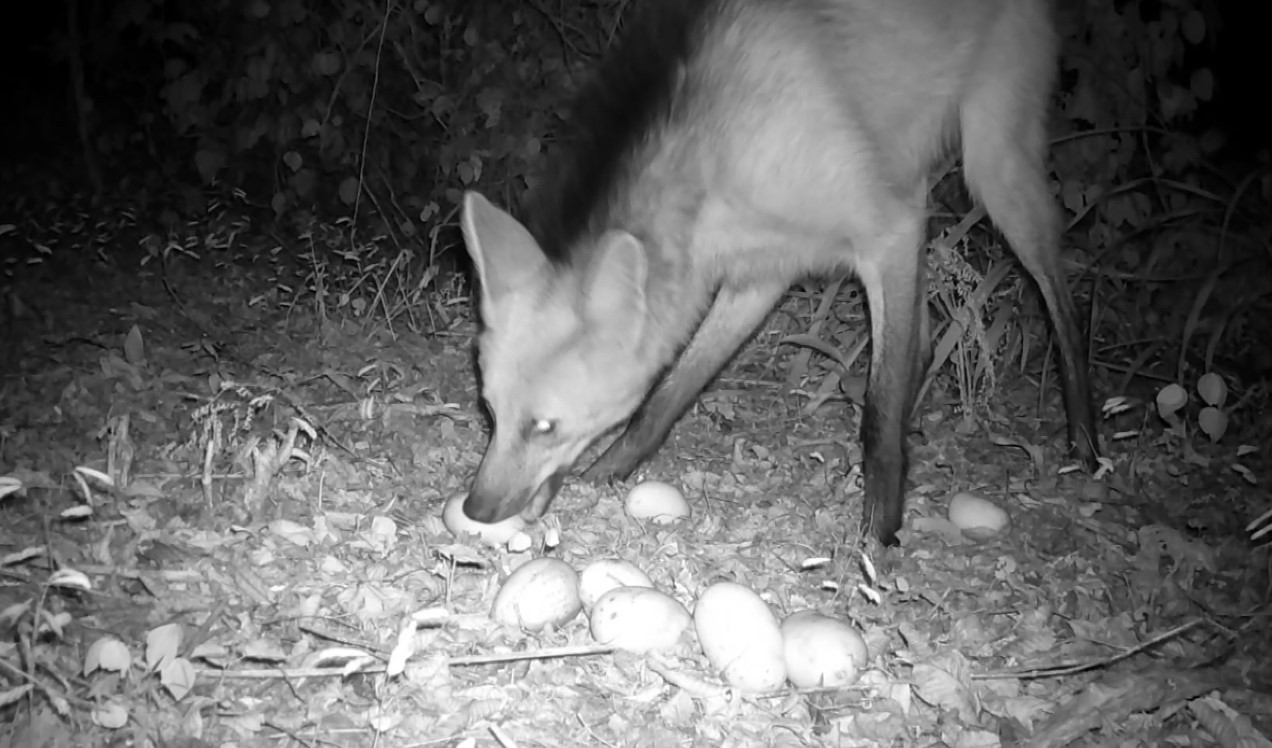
(483, 507)
(491, 499)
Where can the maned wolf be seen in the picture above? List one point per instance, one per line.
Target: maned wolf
(726, 149)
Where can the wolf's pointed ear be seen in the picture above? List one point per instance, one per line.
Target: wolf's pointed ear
(616, 301)
(504, 254)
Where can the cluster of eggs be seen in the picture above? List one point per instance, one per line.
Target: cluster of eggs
(736, 630)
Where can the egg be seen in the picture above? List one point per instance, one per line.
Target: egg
(977, 518)
(540, 592)
(821, 651)
(638, 619)
(496, 533)
(661, 503)
(740, 637)
(605, 574)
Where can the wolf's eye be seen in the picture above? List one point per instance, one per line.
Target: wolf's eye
(542, 427)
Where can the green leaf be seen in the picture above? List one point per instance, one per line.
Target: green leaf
(349, 190)
(1170, 399)
(1213, 422)
(1194, 27)
(1202, 84)
(1212, 389)
(209, 163)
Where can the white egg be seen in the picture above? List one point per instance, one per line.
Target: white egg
(976, 517)
(605, 574)
(740, 637)
(496, 533)
(519, 543)
(821, 651)
(638, 619)
(540, 592)
(658, 502)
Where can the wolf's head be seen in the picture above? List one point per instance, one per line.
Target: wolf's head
(560, 355)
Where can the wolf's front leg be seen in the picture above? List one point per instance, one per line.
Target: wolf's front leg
(733, 316)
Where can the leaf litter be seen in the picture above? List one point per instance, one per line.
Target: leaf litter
(231, 549)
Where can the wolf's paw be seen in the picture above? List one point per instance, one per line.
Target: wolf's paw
(607, 471)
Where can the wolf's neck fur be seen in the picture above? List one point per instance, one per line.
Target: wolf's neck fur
(614, 117)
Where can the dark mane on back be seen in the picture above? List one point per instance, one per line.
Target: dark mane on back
(627, 97)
